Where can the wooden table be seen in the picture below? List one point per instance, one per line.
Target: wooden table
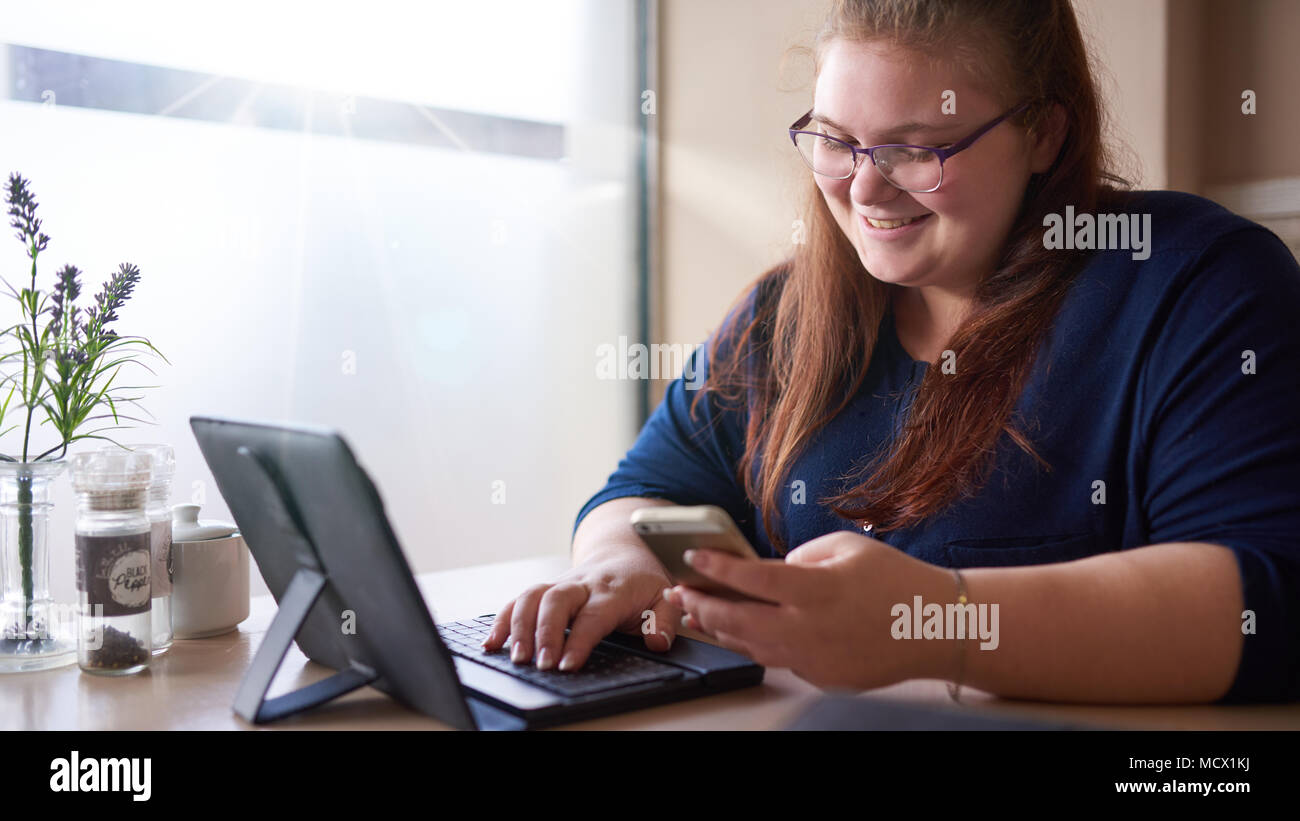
(191, 687)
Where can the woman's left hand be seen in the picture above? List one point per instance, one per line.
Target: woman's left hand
(829, 620)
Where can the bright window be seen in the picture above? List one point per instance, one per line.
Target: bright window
(412, 222)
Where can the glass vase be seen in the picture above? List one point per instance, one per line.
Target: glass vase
(35, 633)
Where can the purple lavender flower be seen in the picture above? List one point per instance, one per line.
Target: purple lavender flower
(22, 213)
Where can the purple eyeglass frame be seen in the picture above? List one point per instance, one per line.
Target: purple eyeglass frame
(942, 153)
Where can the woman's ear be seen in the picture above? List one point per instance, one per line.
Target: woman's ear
(1047, 139)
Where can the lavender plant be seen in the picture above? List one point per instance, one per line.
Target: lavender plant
(70, 361)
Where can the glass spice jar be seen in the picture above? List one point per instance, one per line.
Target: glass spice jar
(158, 509)
(115, 631)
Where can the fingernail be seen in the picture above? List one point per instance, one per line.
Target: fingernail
(669, 595)
(567, 663)
(544, 659)
(517, 654)
(690, 557)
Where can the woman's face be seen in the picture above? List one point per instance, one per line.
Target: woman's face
(884, 94)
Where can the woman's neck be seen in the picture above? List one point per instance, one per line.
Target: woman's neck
(926, 317)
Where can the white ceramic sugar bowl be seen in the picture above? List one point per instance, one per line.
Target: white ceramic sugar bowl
(209, 575)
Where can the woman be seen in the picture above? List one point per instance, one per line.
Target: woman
(1085, 428)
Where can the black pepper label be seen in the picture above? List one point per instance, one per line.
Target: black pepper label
(160, 579)
(114, 571)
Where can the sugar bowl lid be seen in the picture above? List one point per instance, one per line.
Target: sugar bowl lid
(186, 526)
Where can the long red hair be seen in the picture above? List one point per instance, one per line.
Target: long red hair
(815, 338)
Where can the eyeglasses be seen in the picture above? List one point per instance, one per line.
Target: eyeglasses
(914, 168)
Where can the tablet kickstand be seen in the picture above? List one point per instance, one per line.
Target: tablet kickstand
(304, 588)
(250, 701)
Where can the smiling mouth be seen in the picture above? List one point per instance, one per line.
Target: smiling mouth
(893, 223)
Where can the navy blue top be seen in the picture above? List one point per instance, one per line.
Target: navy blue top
(1148, 392)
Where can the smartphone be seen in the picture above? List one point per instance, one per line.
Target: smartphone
(670, 531)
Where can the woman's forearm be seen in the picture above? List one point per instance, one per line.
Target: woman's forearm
(1155, 624)
(608, 529)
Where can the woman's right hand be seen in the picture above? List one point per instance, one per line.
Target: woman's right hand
(614, 588)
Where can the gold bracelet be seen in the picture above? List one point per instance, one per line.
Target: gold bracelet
(954, 688)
